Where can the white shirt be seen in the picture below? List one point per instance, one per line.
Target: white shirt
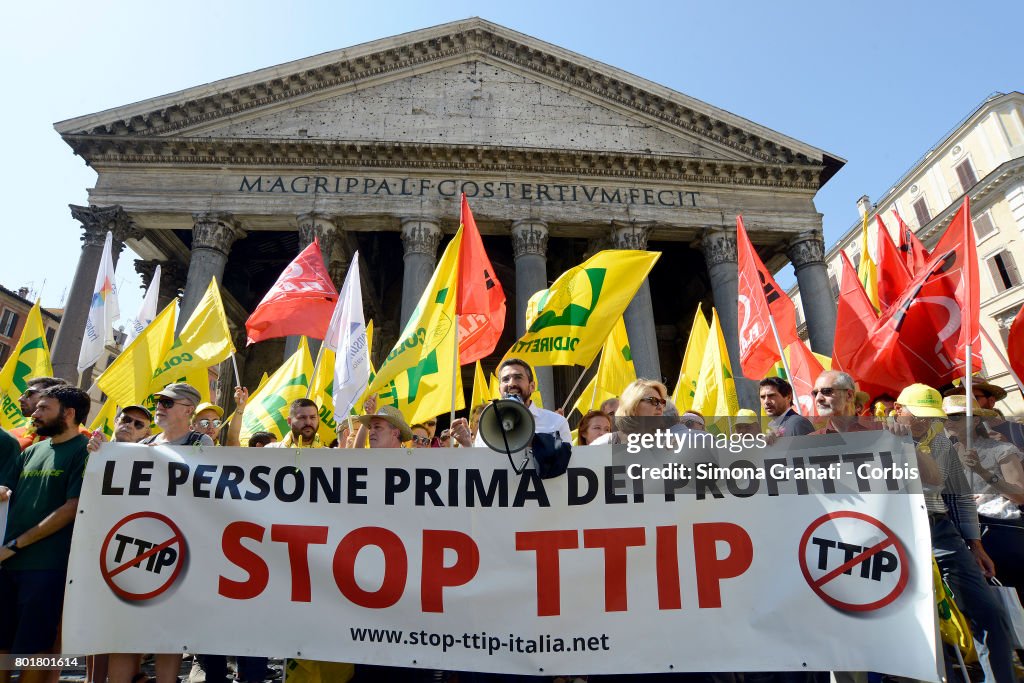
(545, 422)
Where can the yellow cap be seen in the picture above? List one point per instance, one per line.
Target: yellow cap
(210, 406)
(922, 401)
(746, 416)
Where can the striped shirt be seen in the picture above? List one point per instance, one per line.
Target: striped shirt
(954, 495)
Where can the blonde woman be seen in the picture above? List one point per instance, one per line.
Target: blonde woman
(643, 398)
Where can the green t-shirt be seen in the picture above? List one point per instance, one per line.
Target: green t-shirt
(48, 476)
(10, 453)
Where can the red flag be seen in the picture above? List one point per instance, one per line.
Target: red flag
(481, 300)
(855, 318)
(893, 276)
(759, 294)
(913, 252)
(1015, 344)
(300, 302)
(804, 369)
(921, 338)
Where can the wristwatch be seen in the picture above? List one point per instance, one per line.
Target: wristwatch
(992, 479)
(12, 545)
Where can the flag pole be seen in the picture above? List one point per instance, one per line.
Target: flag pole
(1002, 358)
(969, 393)
(782, 353)
(455, 370)
(576, 386)
(316, 369)
(234, 364)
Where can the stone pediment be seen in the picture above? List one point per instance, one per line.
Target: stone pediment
(381, 92)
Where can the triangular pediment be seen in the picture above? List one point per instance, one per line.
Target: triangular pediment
(496, 85)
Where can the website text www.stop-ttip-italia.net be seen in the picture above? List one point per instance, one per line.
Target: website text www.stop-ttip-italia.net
(492, 644)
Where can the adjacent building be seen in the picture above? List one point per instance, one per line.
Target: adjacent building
(14, 308)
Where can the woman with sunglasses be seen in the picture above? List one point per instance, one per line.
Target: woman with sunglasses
(996, 477)
(420, 436)
(642, 398)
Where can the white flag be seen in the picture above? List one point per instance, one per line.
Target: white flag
(346, 336)
(147, 311)
(103, 311)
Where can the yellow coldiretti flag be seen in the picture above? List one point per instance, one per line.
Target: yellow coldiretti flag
(495, 386)
(105, 419)
(481, 391)
(867, 270)
(323, 393)
(416, 377)
(267, 409)
(576, 314)
(693, 357)
(31, 358)
(716, 390)
(205, 340)
(614, 371)
(127, 380)
(953, 627)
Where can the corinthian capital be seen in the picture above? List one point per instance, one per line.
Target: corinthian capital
(807, 248)
(631, 235)
(96, 221)
(718, 247)
(420, 236)
(320, 227)
(216, 231)
(529, 238)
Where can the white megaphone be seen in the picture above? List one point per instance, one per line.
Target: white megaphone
(506, 425)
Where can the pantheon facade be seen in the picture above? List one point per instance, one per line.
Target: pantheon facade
(368, 148)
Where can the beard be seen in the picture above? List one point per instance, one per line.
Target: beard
(49, 428)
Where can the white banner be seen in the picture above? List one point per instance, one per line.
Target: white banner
(445, 558)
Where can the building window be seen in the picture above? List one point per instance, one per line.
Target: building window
(921, 211)
(8, 321)
(834, 285)
(983, 225)
(965, 172)
(1004, 271)
(1005, 321)
(5, 350)
(50, 332)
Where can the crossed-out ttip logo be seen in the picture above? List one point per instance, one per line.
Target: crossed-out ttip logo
(853, 561)
(143, 556)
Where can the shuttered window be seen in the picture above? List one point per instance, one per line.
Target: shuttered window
(965, 172)
(921, 211)
(983, 225)
(1004, 271)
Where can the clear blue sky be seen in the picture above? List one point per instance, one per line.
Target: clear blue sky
(876, 83)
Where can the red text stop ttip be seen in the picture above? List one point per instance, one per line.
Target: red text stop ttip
(548, 547)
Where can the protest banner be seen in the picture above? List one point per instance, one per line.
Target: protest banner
(446, 559)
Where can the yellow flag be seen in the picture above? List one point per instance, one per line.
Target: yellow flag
(867, 271)
(203, 341)
(127, 379)
(495, 386)
(693, 357)
(31, 358)
(536, 398)
(105, 419)
(614, 371)
(481, 391)
(576, 314)
(953, 627)
(716, 390)
(416, 377)
(323, 393)
(267, 409)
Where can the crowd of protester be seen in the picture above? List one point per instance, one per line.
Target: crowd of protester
(972, 473)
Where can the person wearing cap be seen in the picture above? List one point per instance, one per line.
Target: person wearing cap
(386, 428)
(26, 435)
(996, 478)
(132, 426)
(746, 422)
(955, 532)
(303, 425)
(207, 420)
(776, 396)
(175, 405)
(985, 393)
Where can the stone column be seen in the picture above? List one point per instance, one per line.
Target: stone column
(639, 315)
(320, 227)
(530, 246)
(807, 252)
(172, 279)
(96, 221)
(212, 236)
(420, 238)
(719, 249)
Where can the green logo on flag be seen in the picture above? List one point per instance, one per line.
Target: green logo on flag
(573, 314)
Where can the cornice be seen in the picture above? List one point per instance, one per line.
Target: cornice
(101, 150)
(451, 42)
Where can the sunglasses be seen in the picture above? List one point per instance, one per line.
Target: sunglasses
(827, 392)
(129, 420)
(168, 403)
(206, 424)
(423, 440)
(957, 417)
(432, 423)
(654, 401)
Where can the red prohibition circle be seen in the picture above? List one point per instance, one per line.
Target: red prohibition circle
(891, 539)
(108, 574)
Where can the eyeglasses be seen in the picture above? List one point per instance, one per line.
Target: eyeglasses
(654, 401)
(827, 392)
(206, 424)
(423, 440)
(126, 419)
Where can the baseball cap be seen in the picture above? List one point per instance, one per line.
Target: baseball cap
(142, 409)
(922, 401)
(210, 406)
(180, 391)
